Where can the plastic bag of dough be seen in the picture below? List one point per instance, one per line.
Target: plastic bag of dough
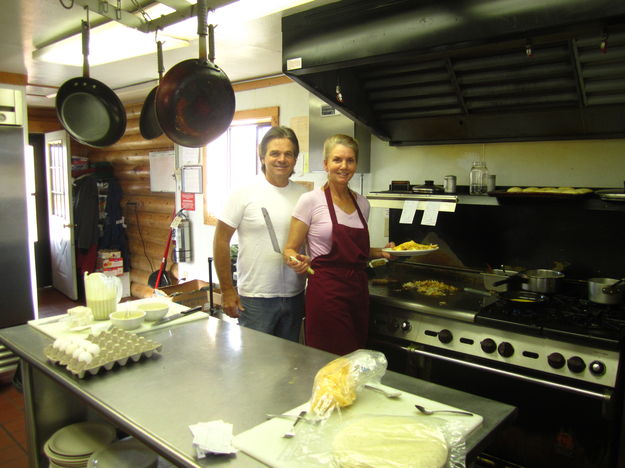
(336, 383)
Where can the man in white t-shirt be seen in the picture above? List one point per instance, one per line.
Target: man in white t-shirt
(270, 296)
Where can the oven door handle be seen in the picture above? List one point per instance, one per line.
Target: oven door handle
(606, 396)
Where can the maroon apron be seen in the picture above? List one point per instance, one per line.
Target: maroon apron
(337, 295)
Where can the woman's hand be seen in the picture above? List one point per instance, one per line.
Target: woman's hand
(299, 263)
(378, 253)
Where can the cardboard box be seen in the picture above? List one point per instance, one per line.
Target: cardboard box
(110, 262)
(191, 293)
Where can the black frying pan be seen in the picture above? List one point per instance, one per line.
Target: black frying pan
(195, 100)
(148, 122)
(520, 298)
(88, 109)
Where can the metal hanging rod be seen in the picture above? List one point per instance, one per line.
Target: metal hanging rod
(113, 12)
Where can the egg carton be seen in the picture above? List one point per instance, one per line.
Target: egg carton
(115, 346)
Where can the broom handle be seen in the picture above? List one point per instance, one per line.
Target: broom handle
(163, 261)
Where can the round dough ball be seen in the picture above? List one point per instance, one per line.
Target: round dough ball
(531, 189)
(515, 189)
(389, 442)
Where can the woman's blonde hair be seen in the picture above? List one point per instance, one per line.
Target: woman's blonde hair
(339, 139)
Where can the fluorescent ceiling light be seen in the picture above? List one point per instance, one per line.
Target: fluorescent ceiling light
(109, 42)
(112, 42)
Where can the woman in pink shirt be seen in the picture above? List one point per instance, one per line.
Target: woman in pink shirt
(332, 221)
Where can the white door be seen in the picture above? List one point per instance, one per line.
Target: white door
(60, 213)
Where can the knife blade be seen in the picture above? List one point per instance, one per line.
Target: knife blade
(271, 230)
(171, 317)
(274, 239)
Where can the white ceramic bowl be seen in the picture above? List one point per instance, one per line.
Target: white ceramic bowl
(154, 310)
(127, 319)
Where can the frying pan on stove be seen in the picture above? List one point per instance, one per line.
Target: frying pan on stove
(148, 122)
(514, 297)
(88, 109)
(195, 100)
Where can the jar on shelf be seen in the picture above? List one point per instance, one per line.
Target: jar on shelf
(478, 178)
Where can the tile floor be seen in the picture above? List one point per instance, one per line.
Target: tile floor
(12, 428)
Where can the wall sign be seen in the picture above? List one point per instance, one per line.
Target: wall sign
(187, 201)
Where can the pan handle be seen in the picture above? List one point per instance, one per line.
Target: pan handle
(159, 57)
(201, 28)
(85, 48)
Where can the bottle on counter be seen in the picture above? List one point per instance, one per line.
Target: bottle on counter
(478, 178)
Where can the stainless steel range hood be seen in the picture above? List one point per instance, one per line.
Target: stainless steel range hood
(429, 72)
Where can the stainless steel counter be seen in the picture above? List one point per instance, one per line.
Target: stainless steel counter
(208, 369)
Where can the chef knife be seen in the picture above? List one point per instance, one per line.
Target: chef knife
(171, 317)
(274, 239)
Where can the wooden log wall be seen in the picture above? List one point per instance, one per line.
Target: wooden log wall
(148, 214)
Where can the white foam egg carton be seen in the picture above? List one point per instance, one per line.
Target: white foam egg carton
(88, 356)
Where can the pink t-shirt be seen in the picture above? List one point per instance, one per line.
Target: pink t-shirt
(312, 209)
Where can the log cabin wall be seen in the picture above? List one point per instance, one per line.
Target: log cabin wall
(148, 214)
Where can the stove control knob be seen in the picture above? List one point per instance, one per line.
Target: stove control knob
(488, 345)
(556, 360)
(505, 349)
(405, 326)
(576, 364)
(445, 336)
(597, 367)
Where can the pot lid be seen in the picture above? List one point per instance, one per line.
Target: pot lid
(427, 187)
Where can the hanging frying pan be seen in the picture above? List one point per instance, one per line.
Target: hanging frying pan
(148, 123)
(195, 100)
(88, 109)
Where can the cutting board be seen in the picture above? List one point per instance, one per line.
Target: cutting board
(54, 328)
(266, 444)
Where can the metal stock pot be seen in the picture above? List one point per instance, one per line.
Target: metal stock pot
(543, 281)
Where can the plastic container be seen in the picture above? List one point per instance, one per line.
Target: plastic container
(478, 179)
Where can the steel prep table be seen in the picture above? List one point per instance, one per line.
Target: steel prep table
(208, 369)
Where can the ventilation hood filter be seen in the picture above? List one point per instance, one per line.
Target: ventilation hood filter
(465, 71)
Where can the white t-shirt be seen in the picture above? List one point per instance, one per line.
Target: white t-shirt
(312, 209)
(261, 271)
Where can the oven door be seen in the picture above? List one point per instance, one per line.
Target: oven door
(554, 427)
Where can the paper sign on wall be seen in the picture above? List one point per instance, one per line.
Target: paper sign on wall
(162, 171)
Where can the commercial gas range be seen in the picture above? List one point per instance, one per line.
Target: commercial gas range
(538, 356)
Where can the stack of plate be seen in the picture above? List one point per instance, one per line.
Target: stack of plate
(127, 453)
(71, 446)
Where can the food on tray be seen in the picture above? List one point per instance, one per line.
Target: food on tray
(431, 288)
(390, 441)
(556, 190)
(412, 245)
(334, 386)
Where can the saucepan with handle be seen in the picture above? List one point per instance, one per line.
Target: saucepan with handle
(606, 290)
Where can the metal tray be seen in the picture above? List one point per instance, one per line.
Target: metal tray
(616, 195)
